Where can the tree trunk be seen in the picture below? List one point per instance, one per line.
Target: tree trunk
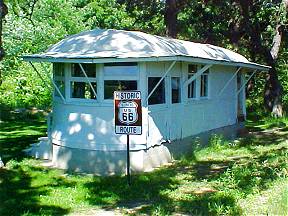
(170, 18)
(273, 88)
(3, 12)
(273, 93)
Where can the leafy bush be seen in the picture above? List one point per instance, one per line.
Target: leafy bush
(25, 89)
(49, 23)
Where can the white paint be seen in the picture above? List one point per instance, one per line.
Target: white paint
(91, 136)
(73, 117)
(91, 125)
(75, 128)
(109, 43)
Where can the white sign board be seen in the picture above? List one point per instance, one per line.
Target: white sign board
(128, 112)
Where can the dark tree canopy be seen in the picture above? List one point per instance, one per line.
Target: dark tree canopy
(3, 12)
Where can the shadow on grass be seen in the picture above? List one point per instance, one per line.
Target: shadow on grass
(113, 190)
(18, 197)
(158, 192)
(18, 135)
(150, 193)
(210, 169)
(264, 138)
(261, 171)
(263, 123)
(205, 204)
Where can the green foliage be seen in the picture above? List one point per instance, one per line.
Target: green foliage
(23, 34)
(282, 67)
(148, 16)
(106, 14)
(33, 28)
(217, 142)
(204, 21)
(25, 89)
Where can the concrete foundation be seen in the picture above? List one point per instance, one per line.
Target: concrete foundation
(114, 162)
(109, 162)
(41, 150)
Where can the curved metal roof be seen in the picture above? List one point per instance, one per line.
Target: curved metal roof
(119, 44)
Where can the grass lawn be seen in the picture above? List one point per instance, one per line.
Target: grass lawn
(245, 177)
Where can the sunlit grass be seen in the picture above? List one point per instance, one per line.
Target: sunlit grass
(273, 201)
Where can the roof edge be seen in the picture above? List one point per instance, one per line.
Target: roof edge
(252, 65)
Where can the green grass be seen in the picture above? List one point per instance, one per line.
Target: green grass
(272, 201)
(16, 135)
(224, 178)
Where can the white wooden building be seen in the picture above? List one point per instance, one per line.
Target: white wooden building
(188, 89)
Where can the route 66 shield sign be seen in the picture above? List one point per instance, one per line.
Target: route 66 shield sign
(128, 112)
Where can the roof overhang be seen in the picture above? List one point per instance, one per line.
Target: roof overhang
(251, 65)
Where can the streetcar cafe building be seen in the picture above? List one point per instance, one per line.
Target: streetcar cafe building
(188, 90)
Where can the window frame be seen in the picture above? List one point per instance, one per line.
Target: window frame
(120, 77)
(194, 81)
(198, 83)
(179, 90)
(206, 85)
(59, 79)
(82, 79)
(165, 91)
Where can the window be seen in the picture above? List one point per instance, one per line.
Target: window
(119, 77)
(175, 87)
(192, 69)
(83, 90)
(59, 78)
(198, 88)
(80, 87)
(120, 69)
(204, 84)
(158, 96)
(117, 85)
(90, 70)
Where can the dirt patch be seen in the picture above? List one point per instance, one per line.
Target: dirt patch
(98, 212)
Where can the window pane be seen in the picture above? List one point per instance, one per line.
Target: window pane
(176, 93)
(192, 69)
(90, 70)
(123, 69)
(61, 87)
(158, 96)
(121, 64)
(58, 69)
(204, 85)
(83, 90)
(192, 88)
(117, 85)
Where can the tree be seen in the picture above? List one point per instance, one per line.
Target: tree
(3, 12)
(172, 9)
(273, 88)
(170, 17)
(254, 28)
(146, 15)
